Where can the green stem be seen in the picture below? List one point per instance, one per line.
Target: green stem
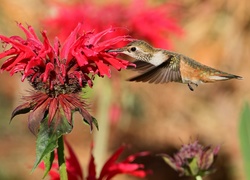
(198, 177)
(101, 138)
(61, 160)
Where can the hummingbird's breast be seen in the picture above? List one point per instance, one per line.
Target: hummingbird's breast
(158, 58)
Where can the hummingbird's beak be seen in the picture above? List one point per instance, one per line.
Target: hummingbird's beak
(119, 50)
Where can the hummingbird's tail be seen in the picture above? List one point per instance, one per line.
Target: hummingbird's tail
(222, 76)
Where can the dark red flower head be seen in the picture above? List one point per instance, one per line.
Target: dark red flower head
(58, 73)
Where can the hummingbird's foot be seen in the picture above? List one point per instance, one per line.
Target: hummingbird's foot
(190, 87)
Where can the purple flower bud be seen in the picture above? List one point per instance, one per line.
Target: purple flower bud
(193, 159)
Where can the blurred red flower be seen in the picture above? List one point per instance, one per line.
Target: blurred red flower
(110, 169)
(115, 112)
(57, 73)
(151, 23)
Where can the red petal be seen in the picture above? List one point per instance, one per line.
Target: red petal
(95, 38)
(8, 52)
(29, 34)
(73, 165)
(34, 63)
(92, 166)
(17, 68)
(22, 52)
(103, 69)
(69, 42)
(89, 52)
(110, 162)
(81, 58)
(48, 69)
(47, 50)
(131, 158)
(111, 42)
(115, 63)
(121, 168)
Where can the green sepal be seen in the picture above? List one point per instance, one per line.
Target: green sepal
(193, 167)
(94, 121)
(168, 160)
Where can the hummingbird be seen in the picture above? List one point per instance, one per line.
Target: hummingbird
(157, 65)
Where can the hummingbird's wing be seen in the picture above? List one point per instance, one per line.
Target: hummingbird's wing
(141, 66)
(168, 71)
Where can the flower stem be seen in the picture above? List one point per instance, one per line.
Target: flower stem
(101, 138)
(198, 177)
(61, 160)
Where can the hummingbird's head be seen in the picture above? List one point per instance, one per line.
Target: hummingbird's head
(139, 50)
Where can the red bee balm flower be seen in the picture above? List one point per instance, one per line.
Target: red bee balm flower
(110, 169)
(155, 24)
(57, 73)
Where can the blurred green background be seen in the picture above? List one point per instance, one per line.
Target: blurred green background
(157, 118)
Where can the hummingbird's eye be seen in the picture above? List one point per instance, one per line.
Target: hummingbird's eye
(133, 49)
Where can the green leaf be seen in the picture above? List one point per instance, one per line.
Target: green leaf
(48, 161)
(46, 142)
(244, 134)
(48, 135)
